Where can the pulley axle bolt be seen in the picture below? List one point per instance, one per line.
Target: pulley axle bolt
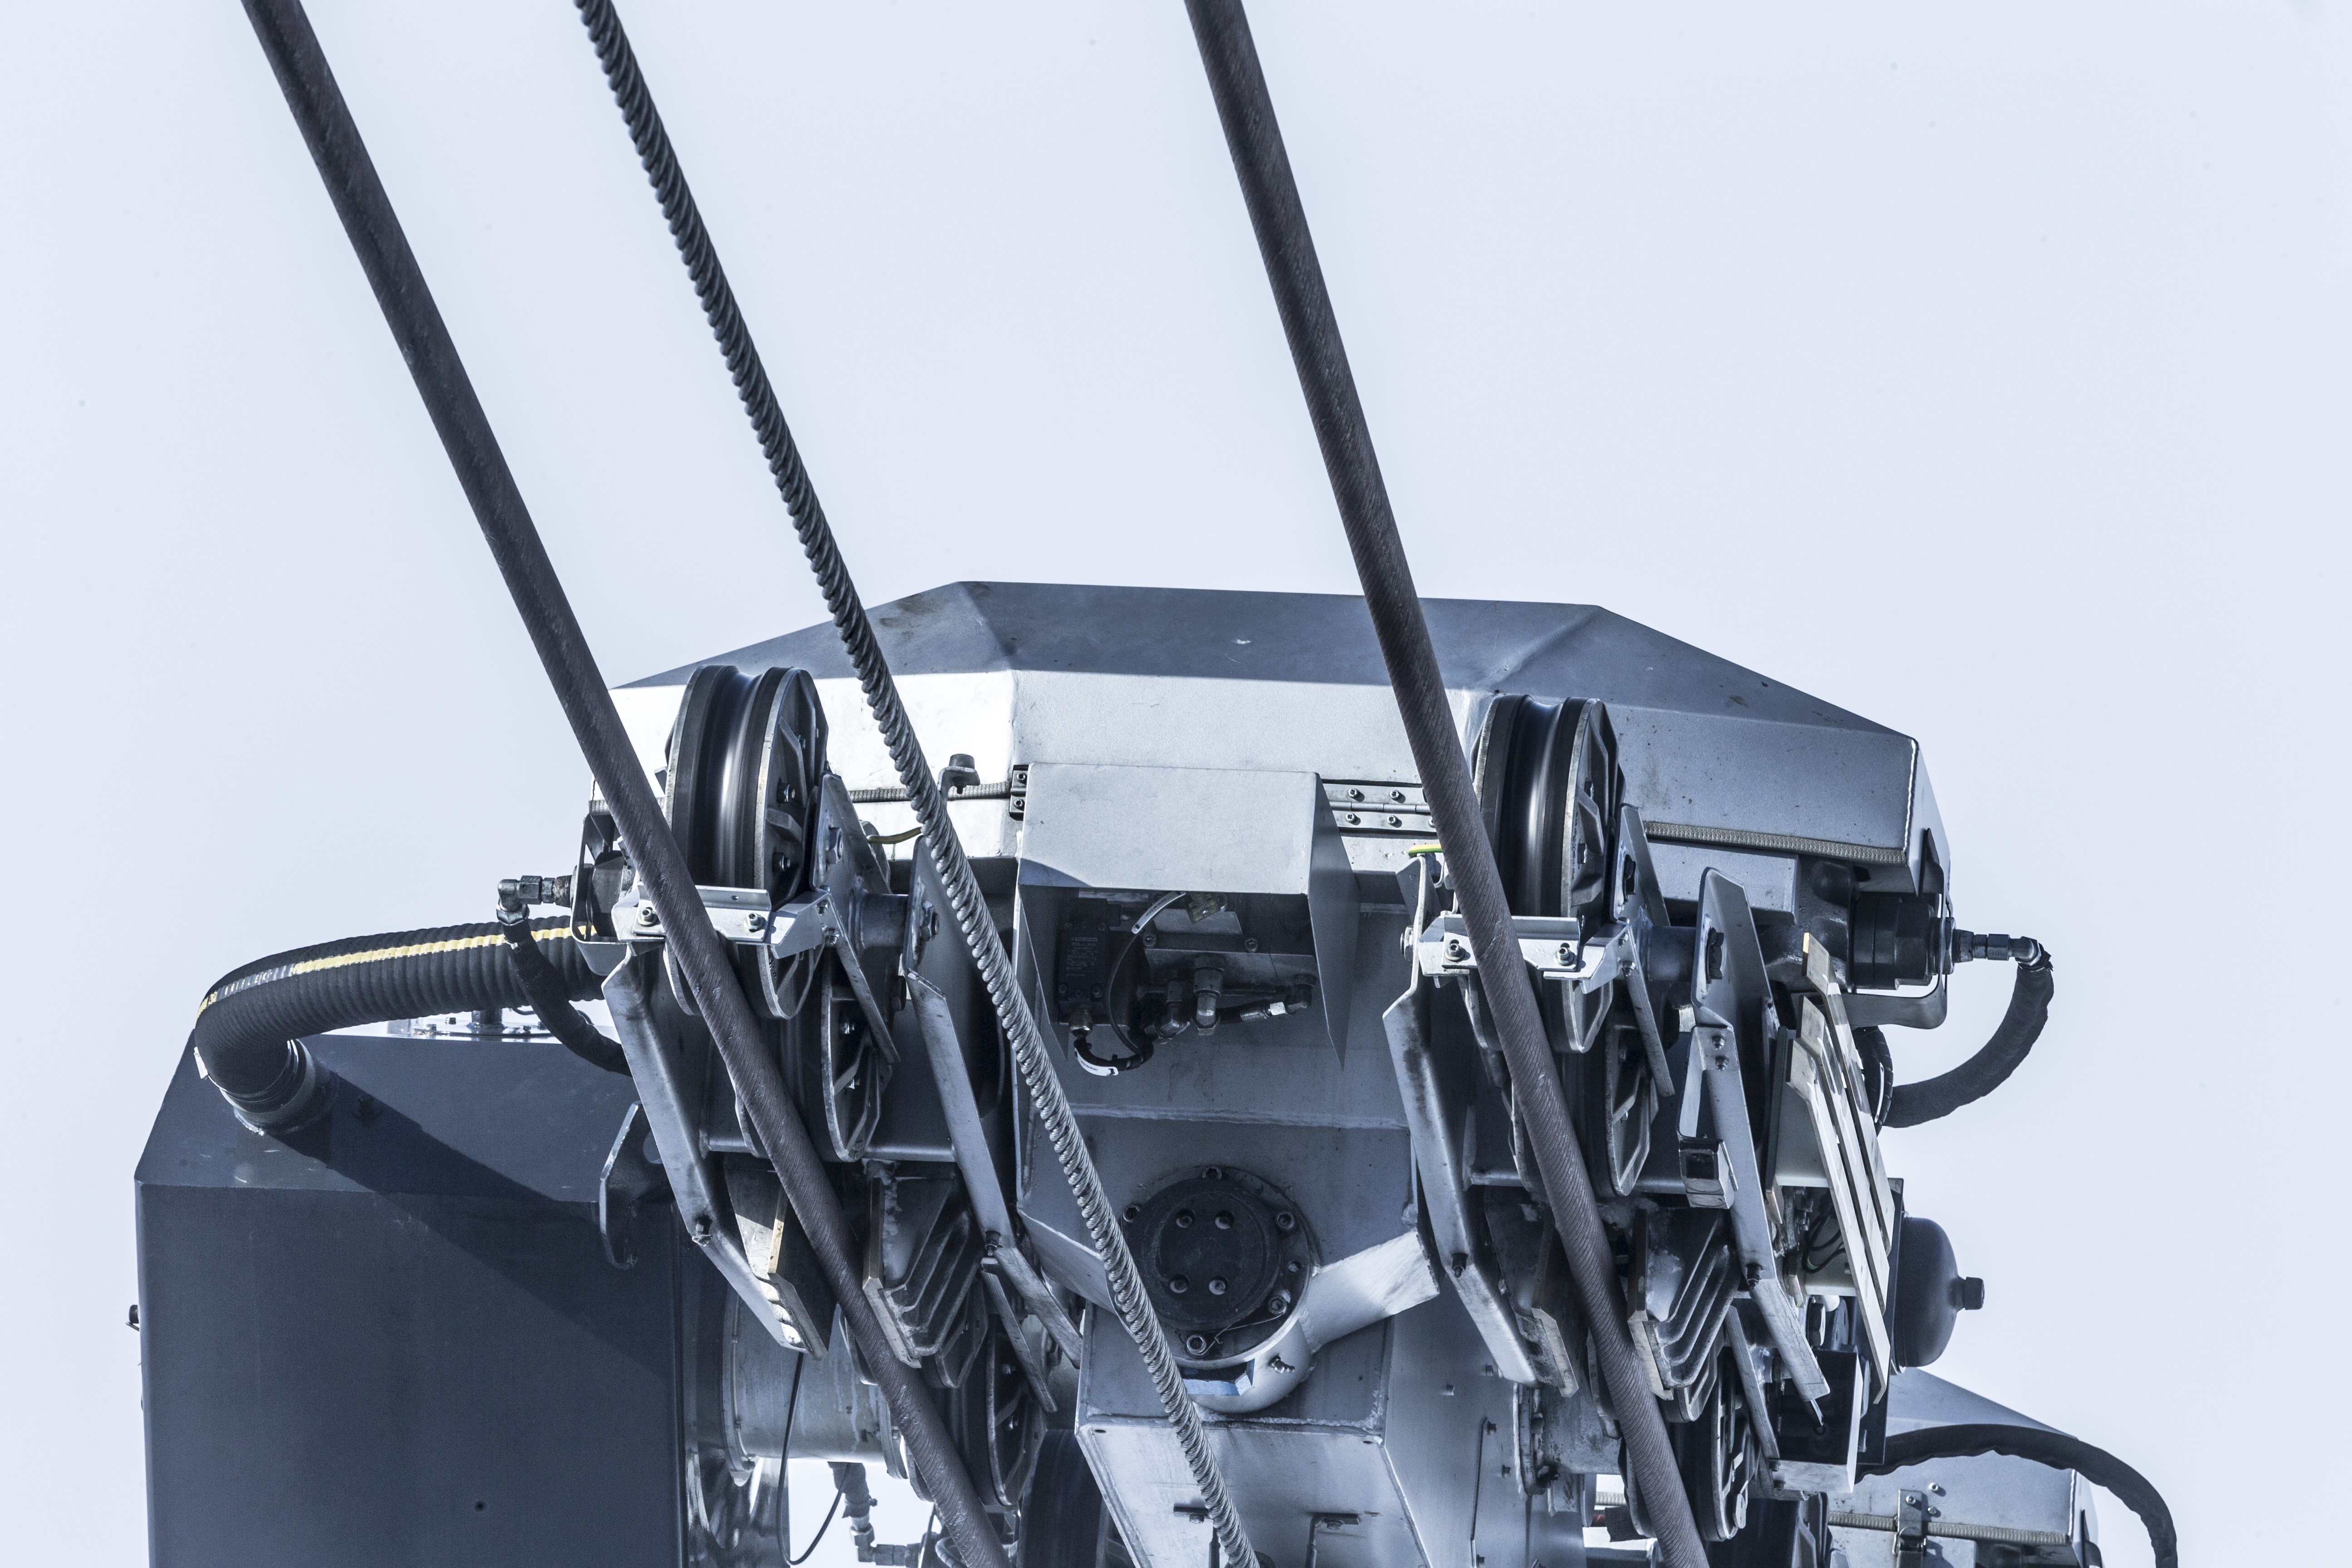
(647, 915)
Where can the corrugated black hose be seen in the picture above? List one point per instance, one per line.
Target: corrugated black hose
(2043, 1447)
(251, 1024)
(2028, 1009)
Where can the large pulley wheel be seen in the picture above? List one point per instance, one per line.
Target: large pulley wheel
(1717, 1457)
(746, 756)
(1548, 787)
(745, 765)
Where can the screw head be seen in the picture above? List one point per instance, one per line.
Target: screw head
(647, 914)
(1217, 1285)
(1183, 1219)
(1285, 1221)
(1197, 1343)
(1134, 1212)
(1179, 1284)
(1225, 1219)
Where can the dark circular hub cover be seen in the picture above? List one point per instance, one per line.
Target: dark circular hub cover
(1223, 1255)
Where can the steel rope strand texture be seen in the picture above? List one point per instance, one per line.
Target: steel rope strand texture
(1043, 1085)
(424, 343)
(1247, 110)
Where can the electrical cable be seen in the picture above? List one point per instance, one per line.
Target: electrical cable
(1877, 1070)
(2043, 1447)
(1271, 192)
(1048, 1103)
(705, 962)
(1910, 1104)
(544, 989)
(817, 1538)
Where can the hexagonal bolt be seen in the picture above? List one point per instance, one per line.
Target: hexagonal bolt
(1198, 1344)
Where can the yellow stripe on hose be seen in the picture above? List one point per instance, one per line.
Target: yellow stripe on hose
(373, 955)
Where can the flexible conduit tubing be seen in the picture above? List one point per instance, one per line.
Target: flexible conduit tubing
(424, 343)
(1915, 1104)
(1050, 1105)
(2043, 1447)
(1254, 139)
(250, 1026)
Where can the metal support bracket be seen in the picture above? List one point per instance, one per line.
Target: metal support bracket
(630, 1178)
(1552, 945)
(668, 1090)
(1731, 999)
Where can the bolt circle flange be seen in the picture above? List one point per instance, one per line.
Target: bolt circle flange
(1221, 1254)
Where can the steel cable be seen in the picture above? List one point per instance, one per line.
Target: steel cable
(383, 253)
(1049, 1103)
(1270, 191)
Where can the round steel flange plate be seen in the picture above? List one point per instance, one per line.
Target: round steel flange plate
(1224, 1257)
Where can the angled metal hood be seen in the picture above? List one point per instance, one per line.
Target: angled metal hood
(1017, 673)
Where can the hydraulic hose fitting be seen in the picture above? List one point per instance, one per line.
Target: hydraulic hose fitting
(1968, 945)
(1208, 994)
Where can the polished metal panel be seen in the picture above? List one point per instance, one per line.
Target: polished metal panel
(1017, 673)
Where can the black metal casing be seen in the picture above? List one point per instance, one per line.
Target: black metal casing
(405, 1312)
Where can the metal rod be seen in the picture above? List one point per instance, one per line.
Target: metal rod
(1048, 1103)
(1247, 109)
(424, 343)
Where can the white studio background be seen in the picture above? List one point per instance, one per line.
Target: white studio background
(1982, 370)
